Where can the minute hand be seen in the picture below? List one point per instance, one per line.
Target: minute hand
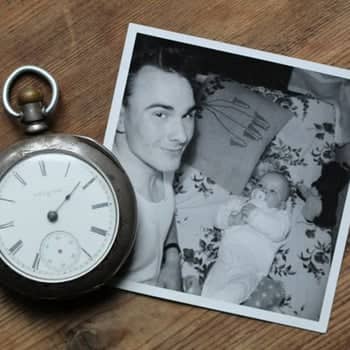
(67, 197)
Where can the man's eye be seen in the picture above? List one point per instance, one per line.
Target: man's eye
(190, 115)
(159, 114)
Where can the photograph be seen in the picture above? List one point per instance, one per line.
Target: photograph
(240, 163)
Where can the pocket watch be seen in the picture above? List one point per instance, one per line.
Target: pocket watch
(67, 207)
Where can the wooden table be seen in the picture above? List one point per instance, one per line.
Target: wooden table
(80, 43)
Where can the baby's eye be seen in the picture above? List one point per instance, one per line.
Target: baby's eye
(259, 185)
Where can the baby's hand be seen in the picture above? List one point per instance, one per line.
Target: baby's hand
(247, 210)
(235, 219)
(191, 285)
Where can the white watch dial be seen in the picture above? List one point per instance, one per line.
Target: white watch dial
(58, 217)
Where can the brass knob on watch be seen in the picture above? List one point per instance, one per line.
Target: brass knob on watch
(30, 101)
(29, 95)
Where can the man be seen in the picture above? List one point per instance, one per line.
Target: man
(156, 124)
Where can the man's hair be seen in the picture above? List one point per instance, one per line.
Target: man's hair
(169, 59)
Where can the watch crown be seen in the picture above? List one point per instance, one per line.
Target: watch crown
(33, 118)
(29, 95)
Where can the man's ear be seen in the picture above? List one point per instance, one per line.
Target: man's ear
(121, 122)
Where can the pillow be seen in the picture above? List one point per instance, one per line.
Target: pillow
(233, 129)
(306, 142)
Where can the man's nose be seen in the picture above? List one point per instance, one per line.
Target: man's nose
(177, 132)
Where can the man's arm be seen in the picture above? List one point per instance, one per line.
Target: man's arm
(170, 273)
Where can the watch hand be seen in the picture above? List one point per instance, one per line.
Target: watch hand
(67, 197)
(52, 215)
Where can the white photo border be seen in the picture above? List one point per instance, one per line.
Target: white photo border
(322, 324)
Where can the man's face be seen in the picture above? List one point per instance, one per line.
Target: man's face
(159, 118)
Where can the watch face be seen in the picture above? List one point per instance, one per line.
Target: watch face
(59, 217)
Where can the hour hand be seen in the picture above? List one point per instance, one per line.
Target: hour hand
(52, 215)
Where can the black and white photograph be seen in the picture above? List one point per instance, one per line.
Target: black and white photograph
(240, 162)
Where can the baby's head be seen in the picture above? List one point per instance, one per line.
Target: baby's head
(275, 188)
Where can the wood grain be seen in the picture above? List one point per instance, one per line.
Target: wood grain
(80, 43)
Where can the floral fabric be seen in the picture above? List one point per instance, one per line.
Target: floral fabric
(299, 150)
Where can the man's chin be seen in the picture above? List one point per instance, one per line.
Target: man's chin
(169, 166)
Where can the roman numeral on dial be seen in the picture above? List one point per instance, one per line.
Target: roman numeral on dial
(87, 253)
(7, 225)
(36, 262)
(89, 183)
(97, 230)
(19, 178)
(100, 205)
(42, 168)
(16, 247)
(67, 170)
(7, 200)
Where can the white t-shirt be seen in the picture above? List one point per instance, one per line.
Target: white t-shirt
(153, 223)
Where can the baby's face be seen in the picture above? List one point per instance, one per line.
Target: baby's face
(275, 187)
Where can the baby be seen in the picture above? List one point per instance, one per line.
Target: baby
(254, 229)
